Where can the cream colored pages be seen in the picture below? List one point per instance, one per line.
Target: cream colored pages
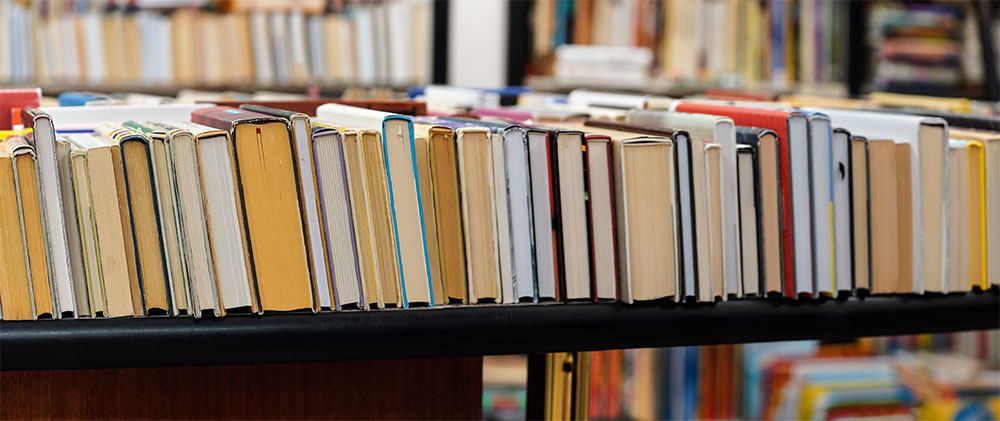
(576, 256)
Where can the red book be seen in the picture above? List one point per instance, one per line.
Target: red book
(783, 123)
(12, 100)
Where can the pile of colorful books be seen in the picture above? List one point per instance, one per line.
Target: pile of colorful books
(312, 205)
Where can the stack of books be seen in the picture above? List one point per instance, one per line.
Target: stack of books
(305, 205)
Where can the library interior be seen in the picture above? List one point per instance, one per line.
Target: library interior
(500, 209)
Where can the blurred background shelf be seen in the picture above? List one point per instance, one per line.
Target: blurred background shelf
(476, 330)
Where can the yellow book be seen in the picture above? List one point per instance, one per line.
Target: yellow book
(29, 202)
(15, 287)
(989, 166)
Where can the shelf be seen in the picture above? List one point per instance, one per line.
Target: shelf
(476, 330)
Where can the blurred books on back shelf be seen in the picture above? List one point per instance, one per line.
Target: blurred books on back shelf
(226, 43)
(931, 376)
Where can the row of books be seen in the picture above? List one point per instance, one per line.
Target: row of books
(931, 376)
(273, 210)
(370, 43)
(717, 41)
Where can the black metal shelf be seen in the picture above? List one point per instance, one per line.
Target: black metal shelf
(476, 330)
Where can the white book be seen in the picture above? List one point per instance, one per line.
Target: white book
(85, 119)
(74, 239)
(842, 265)
(349, 57)
(541, 208)
(280, 45)
(380, 33)
(71, 55)
(263, 61)
(364, 48)
(6, 19)
(297, 46)
(821, 190)
(317, 49)
(302, 132)
(928, 140)
(400, 31)
(722, 131)
(519, 209)
(502, 218)
(43, 140)
(582, 97)
(404, 192)
(94, 45)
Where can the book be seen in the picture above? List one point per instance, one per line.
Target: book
(821, 198)
(112, 265)
(990, 173)
(977, 216)
(475, 171)
(404, 193)
(716, 227)
(959, 238)
(720, 130)
(765, 173)
(686, 215)
(542, 209)
(906, 218)
(338, 220)
(702, 226)
(746, 170)
(15, 99)
(500, 209)
(601, 213)
(446, 197)
(166, 210)
(82, 209)
(29, 247)
(264, 157)
(305, 180)
(928, 139)
(860, 214)
(42, 139)
(645, 212)
(74, 241)
(792, 130)
(841, 213)
(142, 201)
